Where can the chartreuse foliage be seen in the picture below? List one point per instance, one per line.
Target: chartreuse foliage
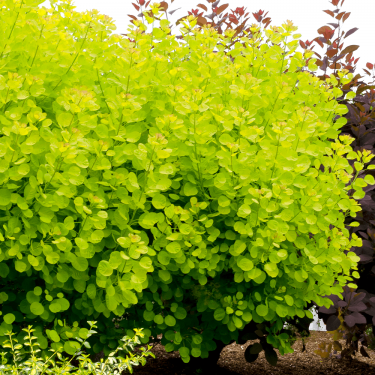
(168, 187)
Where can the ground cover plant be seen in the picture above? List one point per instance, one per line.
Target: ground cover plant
(152, 183)
(25, 356)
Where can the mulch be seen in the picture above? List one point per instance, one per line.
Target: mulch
(232, 362)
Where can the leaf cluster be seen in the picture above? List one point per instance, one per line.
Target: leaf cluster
(154, 183)
(360, 113)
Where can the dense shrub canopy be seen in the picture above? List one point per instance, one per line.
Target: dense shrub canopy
(185, 195)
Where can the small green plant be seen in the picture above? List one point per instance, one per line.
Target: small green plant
(26, 359)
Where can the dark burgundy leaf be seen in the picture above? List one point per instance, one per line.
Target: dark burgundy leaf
(342, 303)
(333, 323)
(363, 352)
(172, 11)
(256, 348)
(359, 295)
(271, 356)
(368, 139)
(363, 234)
(250, 357)
(259, 333)
(350, 32)
(350, 320)
(324, 310)
(359, 318)
(365, 258)
(360, 306)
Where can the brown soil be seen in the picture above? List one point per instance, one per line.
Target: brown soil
(232, 362)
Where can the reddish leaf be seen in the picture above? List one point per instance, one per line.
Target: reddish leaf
(148, 2)
(302, 44)
(164, 6)
(319, 42)
(142, 2)
(370, 66)
(202, 6)
(335, 2)
(201, 21)
(331, 52)
(329, 12)
(349, 49)
(345, 17)
(221, 8)
(266, 20)
(136, 7)
(134, 18)
(339, 16)
(323, 29)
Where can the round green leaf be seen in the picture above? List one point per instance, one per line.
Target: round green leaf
(148, 315)
(9, 318)
(80, 264)
(173, 247)
(158, 319)
(83, 333)
(54, 336)
(164, 258)
(91, 291)
(184, 351)
(170, 320)
(4, 270)
(282, 311)
(145, 262)
(245, 264)
(5, 197)
(38, 290)
(190, 189)
(37, 308)
(180, 313)
(262, 310)
(219, 314)
(104, 268)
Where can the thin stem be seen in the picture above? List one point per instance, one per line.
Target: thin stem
(11, 31)
(76, 56)
(56, 169)
(274, 164)
(89, 170)
(143, 187)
